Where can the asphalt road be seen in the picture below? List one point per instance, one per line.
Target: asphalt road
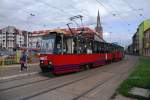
(95, 84)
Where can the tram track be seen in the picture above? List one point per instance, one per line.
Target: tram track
(38, 81)
(65, 84)
(18, 78)
(16, 86)
(91, 89)
(69, 83)
(82, 95)
(54, 88)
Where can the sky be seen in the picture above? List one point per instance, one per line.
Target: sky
(119, 18)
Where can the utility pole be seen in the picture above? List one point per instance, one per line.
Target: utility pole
(110, 36)
(27, 35)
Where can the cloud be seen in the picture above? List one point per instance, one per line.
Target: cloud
(106, 34)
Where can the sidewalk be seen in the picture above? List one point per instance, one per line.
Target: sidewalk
(13, 71)
(17, 65)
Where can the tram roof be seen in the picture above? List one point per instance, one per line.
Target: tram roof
(66, 31)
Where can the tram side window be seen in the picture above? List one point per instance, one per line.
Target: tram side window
(95, 47)
(105, 48)
(69, 44)
(58, 45)
(101, 48)
(110, 48)
(89, 48)
(98, 48)
(74, 47)
(80, 46)
(65, 47)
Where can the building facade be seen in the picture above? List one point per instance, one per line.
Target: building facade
(135, 43)
(129, 49)
(143, 30)
(141, 39)
(146, 43)
(10, 38)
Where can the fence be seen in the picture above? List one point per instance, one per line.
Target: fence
(7, 61)
(14, 60)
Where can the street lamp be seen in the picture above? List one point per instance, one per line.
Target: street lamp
(30, 15)
(110, 36)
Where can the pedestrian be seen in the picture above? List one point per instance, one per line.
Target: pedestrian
(23, 61)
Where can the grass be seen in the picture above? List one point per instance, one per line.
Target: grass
(140, 77)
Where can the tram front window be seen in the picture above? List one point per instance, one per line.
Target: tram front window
(48, 45)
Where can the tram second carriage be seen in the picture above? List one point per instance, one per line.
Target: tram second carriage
(63, 54)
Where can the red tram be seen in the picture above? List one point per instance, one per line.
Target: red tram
(63, 53)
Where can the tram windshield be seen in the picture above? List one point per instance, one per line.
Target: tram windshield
(47, 45)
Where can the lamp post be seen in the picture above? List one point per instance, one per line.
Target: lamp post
(110, 36)
(27, 36)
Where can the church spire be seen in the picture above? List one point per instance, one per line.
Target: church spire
(99, 28)
(98, 20)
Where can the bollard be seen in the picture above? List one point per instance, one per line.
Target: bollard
(0, 62)
(3, 62)
(8, 61)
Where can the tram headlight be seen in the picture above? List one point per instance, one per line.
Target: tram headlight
(41, 61)
(49, 62)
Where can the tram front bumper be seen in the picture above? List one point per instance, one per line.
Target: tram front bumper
(46, 66)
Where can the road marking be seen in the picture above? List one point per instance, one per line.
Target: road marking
(18, 75)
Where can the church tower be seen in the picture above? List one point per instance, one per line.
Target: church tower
(99, 28)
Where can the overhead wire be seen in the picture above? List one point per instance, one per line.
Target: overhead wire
(133, 9)
(113, 14)
(121, 17)
(61, 11)
(118, 13)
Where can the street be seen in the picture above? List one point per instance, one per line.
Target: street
(95, 84)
